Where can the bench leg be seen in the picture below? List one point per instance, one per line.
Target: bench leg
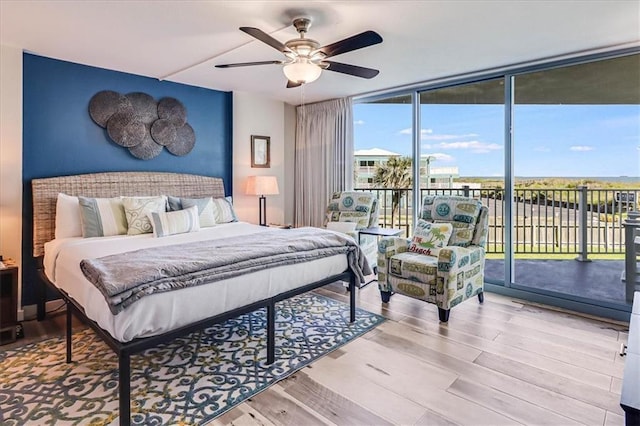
(352, 298)
(271, 332)
(124, 382)
(69, 332)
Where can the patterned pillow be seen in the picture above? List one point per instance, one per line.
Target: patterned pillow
(223, 210)
(102, 217)
(463, 212)
(177, 222)
(429, 238)
(136, 210)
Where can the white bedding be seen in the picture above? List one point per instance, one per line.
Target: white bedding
(162, 312)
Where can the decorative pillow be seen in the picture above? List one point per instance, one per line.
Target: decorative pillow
(177, 222)
(68, 220)
(344, 227)
(223, 210)
(206, 213)
(429, 238)
(462, 211)
(102, 217)
(136, 210)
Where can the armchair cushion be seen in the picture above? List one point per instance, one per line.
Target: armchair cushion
(429, 238)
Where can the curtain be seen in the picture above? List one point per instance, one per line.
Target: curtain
(323, 159)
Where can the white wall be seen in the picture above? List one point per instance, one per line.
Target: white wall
(253, 115)
(11, 155)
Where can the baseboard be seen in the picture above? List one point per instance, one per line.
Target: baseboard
(30, 312)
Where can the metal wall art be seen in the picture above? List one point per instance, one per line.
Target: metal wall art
(137, 122)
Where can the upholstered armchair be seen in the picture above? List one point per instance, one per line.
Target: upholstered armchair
(444, 261)
(350, 211)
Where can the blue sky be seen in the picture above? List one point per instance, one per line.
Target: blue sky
(550, 140)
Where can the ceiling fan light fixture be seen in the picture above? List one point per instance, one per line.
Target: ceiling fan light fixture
(302, 71)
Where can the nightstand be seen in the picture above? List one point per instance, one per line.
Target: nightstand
(8, 301)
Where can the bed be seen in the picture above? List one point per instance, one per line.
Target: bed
(161, 317)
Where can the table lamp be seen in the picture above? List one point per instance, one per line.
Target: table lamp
(262, 185)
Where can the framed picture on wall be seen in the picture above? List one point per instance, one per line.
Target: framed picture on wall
(260, 151)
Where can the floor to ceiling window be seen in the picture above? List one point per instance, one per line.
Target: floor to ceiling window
(462, 151)
(576, 134)
(383, 157)
(552, 149)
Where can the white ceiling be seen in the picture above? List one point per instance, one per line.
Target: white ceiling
(181, 41)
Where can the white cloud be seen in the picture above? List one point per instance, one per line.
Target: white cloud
(358, 122)
(423, 132)
(448, 137)
(474, 146)
(441, 156)
(581, 148)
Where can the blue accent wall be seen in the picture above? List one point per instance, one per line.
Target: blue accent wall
(60, 138)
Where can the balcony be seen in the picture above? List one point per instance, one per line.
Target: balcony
(558, 247)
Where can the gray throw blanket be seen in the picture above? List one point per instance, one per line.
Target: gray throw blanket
(126, 277)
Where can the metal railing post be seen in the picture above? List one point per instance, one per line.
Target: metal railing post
(465, 190)
(582, 224)
(630, 257)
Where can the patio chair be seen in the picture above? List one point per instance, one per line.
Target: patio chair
(444, 261)
(350, 211)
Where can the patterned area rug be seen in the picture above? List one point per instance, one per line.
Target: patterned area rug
(191, 380)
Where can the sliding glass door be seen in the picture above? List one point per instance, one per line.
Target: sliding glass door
(553, 150)
(576, 167)
(462, 152)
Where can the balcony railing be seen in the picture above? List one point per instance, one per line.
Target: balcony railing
(551, 221)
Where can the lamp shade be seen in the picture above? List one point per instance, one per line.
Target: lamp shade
(302, 71)
(262, 185)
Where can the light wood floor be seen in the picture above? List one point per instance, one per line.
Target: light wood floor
(503, 362)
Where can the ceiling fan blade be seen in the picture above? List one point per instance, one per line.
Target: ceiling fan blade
(291, 84)
(265, 38)
(248, 64)
(351, 69)
(358, 41)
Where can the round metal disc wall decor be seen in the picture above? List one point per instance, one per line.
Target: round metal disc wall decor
(147, 149)
(172, 110)
(185, 141)
(136, 121)
(106, 103)
(163, 132)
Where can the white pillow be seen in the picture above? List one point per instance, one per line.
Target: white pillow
(68, 221)
(177, 222)
(344, 227)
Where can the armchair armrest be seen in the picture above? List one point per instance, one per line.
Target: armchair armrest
(455, 258)
(389, 246)
(460, 273)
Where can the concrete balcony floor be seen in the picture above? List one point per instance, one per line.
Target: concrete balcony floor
(599, 280)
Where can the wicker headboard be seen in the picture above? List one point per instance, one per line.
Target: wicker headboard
(45, 193)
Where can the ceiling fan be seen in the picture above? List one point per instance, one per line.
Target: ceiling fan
(305, 59)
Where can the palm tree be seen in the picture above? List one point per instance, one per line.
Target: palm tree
(395, 174)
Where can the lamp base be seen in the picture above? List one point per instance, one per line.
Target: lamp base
(262, 205)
